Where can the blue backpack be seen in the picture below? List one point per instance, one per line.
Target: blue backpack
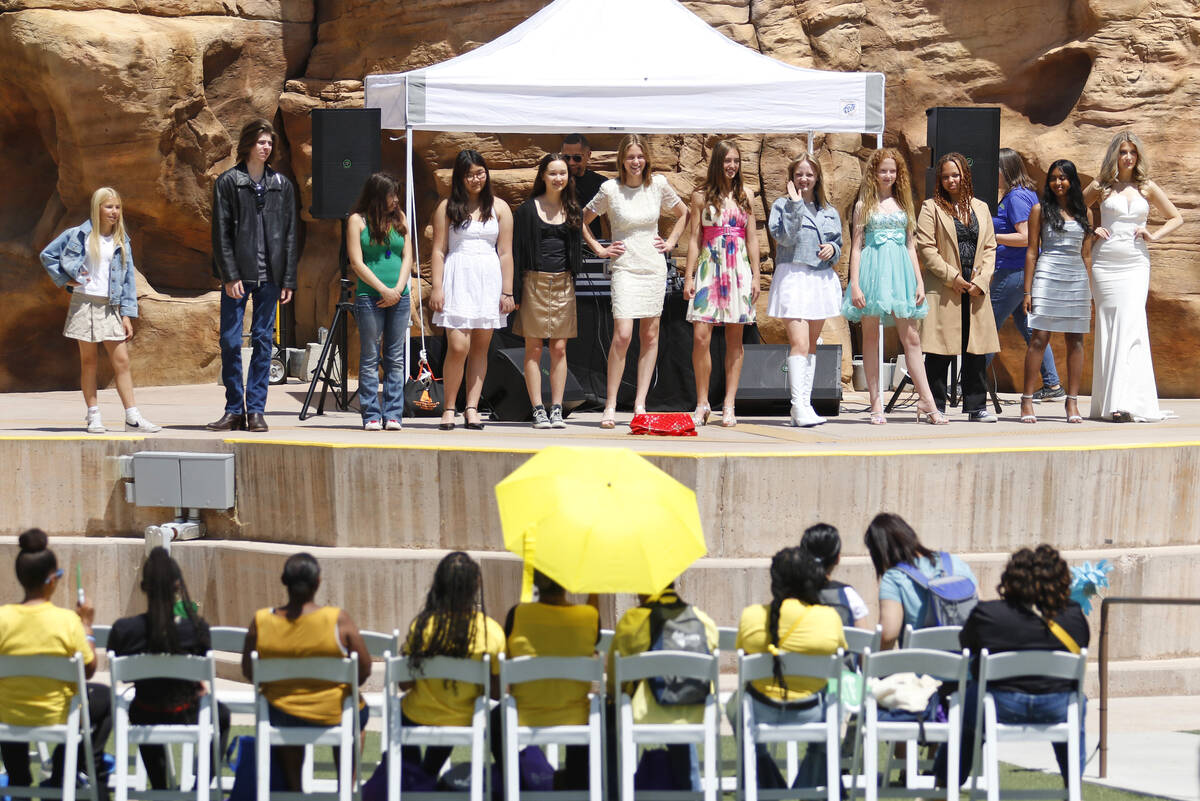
(951, 597)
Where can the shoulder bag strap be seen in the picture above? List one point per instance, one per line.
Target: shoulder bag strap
(1058, 631)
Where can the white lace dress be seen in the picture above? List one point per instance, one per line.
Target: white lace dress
(639, 275)
(471, 279)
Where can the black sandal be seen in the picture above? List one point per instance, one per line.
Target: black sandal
(473, 426)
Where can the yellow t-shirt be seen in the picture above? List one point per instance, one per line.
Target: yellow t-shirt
(434, 702)
(314, 634)
(39, 629)
(547, 630)
(808, 629)
(632, 636)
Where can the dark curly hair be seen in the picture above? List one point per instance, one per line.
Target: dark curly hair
(961, 210)
(794, 574)
(446, 624)
(1037, 578)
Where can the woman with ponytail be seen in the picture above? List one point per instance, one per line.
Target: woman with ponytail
(793, 622)
(823, 543)
(171, 624)
(33, 627)
(298, 629)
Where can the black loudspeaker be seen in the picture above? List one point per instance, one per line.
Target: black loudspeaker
(504, 387)
(346, 150)
(974, 132)
(764, 383)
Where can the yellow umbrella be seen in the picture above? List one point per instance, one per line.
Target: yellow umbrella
(599, 520)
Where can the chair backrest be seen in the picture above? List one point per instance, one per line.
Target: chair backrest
(727, 638)
(379, 643)
(941, 665)
(315, 668)
(471, 671)
(228, 638)
(100, 633)
(933, 638)
(60, 668)
(605, 641)
(534, 668)
(752, 667)
(1048, 664)
(859, 640)
(684, 664)
(184, 667)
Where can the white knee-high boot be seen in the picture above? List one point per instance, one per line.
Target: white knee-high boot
(810, 371)
(800, 386)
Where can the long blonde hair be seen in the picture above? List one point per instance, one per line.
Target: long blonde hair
(868, 190)
(819, 184)
(629, 141)
(1109, 168)
(99, 198)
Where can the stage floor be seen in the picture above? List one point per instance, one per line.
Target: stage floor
(183, 411)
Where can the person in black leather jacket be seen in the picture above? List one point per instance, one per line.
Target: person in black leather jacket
(254, 256)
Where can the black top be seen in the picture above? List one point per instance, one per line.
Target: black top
(1003, 626)
(128, 637)
(586, 187)
(527, 244)
(968, 241)
(554, 246)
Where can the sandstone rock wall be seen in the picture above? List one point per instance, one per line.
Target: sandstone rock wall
(149, 95)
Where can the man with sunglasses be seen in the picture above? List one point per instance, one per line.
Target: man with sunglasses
(254, 256)
(587, 182)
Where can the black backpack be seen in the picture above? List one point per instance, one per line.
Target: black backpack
(677, 628)
(833, 595)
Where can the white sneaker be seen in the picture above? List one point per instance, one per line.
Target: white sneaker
(94, 424)
(136, 422)
(393, 425)
(373, 425)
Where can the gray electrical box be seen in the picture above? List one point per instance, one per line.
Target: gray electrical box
(183, 480)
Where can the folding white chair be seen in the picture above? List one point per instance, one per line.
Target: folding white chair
(751, 732)
(535, 668)
(397, 670)
(1050, 664)
(858, 641)
(605, 641)
(727, 639)
(379, 643)
(228, 638)
(344, 735)
(100, 633)
(938, 664)
(70, 734)
(933, 638)
(202, 735)
(649, 664)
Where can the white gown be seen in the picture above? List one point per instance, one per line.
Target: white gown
(1122, 370)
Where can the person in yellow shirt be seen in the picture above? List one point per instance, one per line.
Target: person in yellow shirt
(633, 636)
(37, 627)
(796, 622)
(451, 623)
(302, 628)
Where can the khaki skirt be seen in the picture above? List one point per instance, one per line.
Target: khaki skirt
(547, 307)
(91, 319)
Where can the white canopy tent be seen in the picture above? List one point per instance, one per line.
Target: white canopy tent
(617, 66)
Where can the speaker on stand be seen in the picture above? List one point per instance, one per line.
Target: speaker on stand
(346, 151)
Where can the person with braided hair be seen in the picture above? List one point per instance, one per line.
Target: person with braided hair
(796, 622)
(1035, 613)
(453, 623)
(957, 248)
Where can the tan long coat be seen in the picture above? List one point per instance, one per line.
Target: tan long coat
(937, 250)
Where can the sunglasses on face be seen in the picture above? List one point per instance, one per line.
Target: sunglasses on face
(575, 157)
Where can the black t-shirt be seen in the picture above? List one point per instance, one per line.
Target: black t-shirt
(586, 187)
(129, 637)
(553, 247)
(1003, 626)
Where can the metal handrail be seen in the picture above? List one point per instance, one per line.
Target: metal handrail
(1103, 665)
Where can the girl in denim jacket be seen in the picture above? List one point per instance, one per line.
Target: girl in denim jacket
(94, 262)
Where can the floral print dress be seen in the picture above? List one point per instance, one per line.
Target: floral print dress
(724, 280)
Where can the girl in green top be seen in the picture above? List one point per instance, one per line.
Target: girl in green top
(380, 252)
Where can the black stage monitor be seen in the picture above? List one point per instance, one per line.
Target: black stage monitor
(973, 131)
(346, 150)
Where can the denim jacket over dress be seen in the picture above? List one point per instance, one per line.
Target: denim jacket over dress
(799, 233)
(66, 257)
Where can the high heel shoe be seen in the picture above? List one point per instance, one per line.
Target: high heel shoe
(701, 415)
(932, 416)
(878, 418)
(1077, 417)
(728, 418)
(444, 425)
(1027, 417)
(473, 425)
(609, 419)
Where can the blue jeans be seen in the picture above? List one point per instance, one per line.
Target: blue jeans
(811, 772)
(1013, 706)
(253, 398)
(392, 324)
(1008, 299)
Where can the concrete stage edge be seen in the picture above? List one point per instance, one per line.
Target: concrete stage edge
(379, 511)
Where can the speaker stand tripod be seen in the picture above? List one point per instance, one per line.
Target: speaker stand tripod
(952, 400)
(332, 372)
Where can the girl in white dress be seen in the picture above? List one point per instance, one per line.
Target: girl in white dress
(1123, 387)
(633, 202)
(472, 276)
